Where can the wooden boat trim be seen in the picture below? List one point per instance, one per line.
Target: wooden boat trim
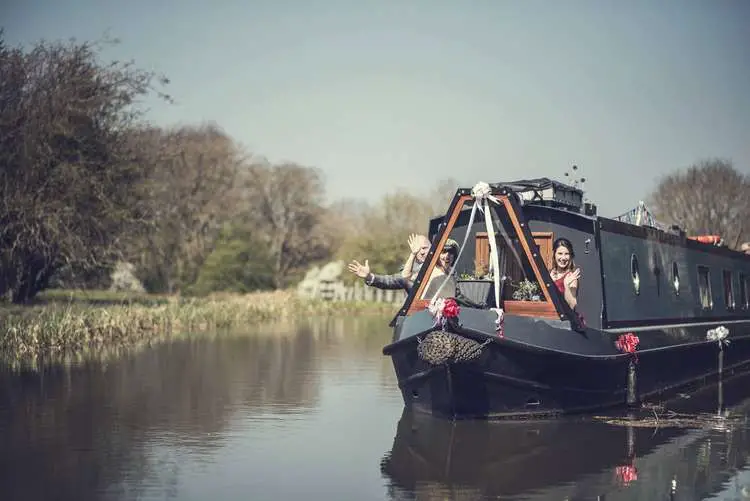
(418, 304)
(531, 308)
(543, 309)
(555, 300)
(517, 225)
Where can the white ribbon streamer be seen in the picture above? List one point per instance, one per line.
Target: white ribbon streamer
(493, 249)
(460, 251)
(500, 321)
(481, 193)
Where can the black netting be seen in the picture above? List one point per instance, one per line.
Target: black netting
(441, 347)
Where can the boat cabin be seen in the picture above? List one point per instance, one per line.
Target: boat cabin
(632, 272)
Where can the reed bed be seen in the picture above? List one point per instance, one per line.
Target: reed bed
(70, 325)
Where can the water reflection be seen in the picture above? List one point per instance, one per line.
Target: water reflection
(125, 429)
(307, 411)
(568, 459)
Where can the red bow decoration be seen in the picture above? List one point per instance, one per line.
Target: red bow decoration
(627, 343)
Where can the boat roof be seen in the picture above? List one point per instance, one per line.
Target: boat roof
(522, 185)
(559, 196)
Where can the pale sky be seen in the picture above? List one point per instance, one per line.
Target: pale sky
(392, 94)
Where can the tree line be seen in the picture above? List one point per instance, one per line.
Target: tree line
(88, 182)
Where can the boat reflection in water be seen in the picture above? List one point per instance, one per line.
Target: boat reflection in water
(594, 458)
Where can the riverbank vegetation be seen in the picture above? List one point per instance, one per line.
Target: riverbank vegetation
(66, 325)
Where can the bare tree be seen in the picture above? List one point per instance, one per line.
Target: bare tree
(70, 180)
(287, 209)
(192, 194)
(710, 197)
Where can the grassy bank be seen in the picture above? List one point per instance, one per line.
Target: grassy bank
(72, 324)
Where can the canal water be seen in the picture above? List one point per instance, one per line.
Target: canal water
(312, 412)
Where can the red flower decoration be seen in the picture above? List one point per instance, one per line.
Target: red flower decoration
(450, 308)
(627, 343)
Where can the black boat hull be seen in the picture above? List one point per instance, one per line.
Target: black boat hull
(513, 378)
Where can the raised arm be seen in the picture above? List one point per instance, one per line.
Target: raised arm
(378, 281)
(415, 244)
(571, 287)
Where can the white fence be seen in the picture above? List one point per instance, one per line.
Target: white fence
(325, 283)
(337, 291)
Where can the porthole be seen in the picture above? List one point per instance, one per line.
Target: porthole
(675, 279)
(635, 274)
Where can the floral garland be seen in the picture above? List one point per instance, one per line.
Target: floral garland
(627, 343)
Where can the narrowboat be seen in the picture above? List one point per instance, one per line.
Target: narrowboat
(658, 311)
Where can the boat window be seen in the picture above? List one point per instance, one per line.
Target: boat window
(728, 289)
(474, 269)
(704, 287)
(676, 279)
(744, 291)
(635, 274)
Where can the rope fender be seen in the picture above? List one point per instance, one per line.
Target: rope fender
(443, 347)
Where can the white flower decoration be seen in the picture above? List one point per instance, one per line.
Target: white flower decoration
(481, 190)
(718, 334)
